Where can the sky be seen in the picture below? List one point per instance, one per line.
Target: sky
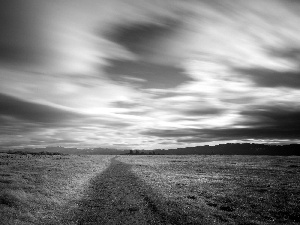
(149, 74)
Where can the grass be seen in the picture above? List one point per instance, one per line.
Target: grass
(34, 188)
(175, 189)
(224, 189)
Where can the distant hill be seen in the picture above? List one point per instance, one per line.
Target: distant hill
(71, 151)
(222, 149)
(235, 149)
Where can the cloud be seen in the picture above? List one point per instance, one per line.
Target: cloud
(20, 41)
(33, 112)
(142, 38)
(261, 124)
(98, 72)
(290, 53)
(286, 120)
(80, 93)
(271, 78)
(103, 122)
(39, 125)
(125, 104)
(67, 36)
(203, 111)
(170, 133)
(226, 134)
(156, 76)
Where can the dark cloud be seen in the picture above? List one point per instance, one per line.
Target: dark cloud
(141, 38)
(272, 78)
(291, 53)
(226, 134)
(54, 141)
(13, 126)
(203, 112)
(270, 123)
(131, 108)
(168, 94)
(104, 122)
(166, 143)
(135, 112)
(124, 104)
(282, 119)
(156, 76)
(171, 133)
(33, 112)
(200, 139)
(238, 99)
(20, 40)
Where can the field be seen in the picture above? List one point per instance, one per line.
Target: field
(34, 188)
(224, 189)
(149, 189)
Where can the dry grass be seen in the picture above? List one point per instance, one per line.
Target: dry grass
(225, 189)
(179, 189)
(34, 188)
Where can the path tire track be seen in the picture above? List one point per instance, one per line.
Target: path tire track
(117, 196)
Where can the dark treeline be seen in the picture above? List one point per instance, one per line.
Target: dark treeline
(235, 149)
(222, 149)
(33, 153)
(62, 150)
(142, 152)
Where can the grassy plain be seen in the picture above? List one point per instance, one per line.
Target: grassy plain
(34, 188)
(149, 190)
(222, 189)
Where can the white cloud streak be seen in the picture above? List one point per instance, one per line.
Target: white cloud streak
(212, 40)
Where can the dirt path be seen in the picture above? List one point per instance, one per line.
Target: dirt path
(117, 196)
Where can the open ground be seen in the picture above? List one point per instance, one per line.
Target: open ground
(149, 189)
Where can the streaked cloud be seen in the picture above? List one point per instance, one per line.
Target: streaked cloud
(272, 78)
(149, 74)
(156, 76)
(19, 109)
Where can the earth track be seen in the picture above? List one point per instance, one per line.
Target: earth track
(117, 196)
